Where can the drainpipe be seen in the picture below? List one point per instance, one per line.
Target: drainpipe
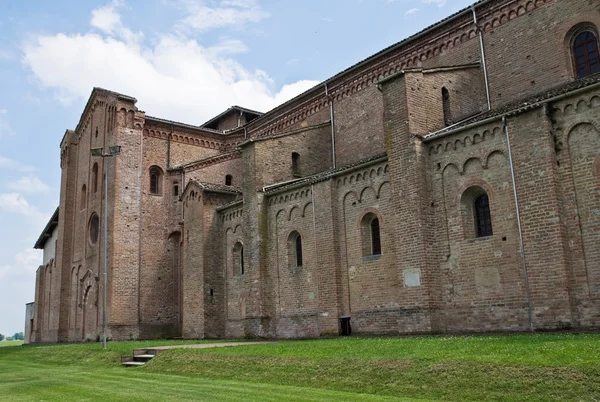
(522, 248)
(332, 119)
(483, 63)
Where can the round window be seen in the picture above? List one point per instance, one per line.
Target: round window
(94, 229)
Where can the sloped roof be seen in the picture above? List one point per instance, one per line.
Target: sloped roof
(522, 104)
(232, 108)
(47, 232)
(212, 187)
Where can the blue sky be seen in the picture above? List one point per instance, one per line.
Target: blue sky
(184, 60)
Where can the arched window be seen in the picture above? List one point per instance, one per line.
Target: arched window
(446, 106)
(228, 180)
(155, 180)
(295, 250)
(585, 53)
(371, 235)
(83, 197)
(295, 164)
(483, 217)
(238, 258)
(95, 178)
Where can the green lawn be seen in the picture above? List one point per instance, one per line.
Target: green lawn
(518, 367)
(10, 343)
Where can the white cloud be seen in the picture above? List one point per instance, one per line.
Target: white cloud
(5, 128)
(24, 265)
(440, 3)
(29, 184)
(228, 46)
(176, 78)
(411, 12)
(6, 163)
(108, 20)
(204, 16)
(15, 203)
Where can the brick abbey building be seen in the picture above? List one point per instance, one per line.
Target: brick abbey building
(449, 183)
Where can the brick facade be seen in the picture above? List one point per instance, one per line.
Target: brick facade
(375, 173)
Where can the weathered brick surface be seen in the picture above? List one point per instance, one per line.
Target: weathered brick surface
(175, 260)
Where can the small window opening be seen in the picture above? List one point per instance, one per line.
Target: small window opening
(483, 218)
(242, 261)
(295, 250)
(298, 251)
(371, 235)
(446, 106)
(95, 178)
(155, 180)
(295, 164)
(176, 189)
(586, 54)
(375, 237)
(238, 258)
(83, 197)
(228, 180)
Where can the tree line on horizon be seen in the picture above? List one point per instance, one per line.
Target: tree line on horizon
(18, 336)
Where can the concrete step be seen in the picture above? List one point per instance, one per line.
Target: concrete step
(143, 356)
(133, 363)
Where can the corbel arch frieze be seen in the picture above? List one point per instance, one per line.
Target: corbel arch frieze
(462, 141)
(576, 105)
(460, 161)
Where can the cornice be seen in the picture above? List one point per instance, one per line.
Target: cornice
(213, 160)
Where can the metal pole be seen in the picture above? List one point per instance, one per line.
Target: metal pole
(518, 211)
(105, 224)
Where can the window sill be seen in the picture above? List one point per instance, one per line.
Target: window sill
(369, 258)
(477, 239)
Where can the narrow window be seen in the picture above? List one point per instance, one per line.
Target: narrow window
(155, 180)
(228, 180)
(238, 258)
(585, 54)
(295, 164)
(371, 235)
(446, 106)
(483, 218)
(83, 197)
(375, 237)
(176, 189)
(95, 178)
(298, 251)
(294, 254)
(242, 260)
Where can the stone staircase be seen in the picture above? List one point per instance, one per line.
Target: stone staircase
(143, 355)
(138, 358)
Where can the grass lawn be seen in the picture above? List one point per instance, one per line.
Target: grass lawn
(10, 343)
(518, 367)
